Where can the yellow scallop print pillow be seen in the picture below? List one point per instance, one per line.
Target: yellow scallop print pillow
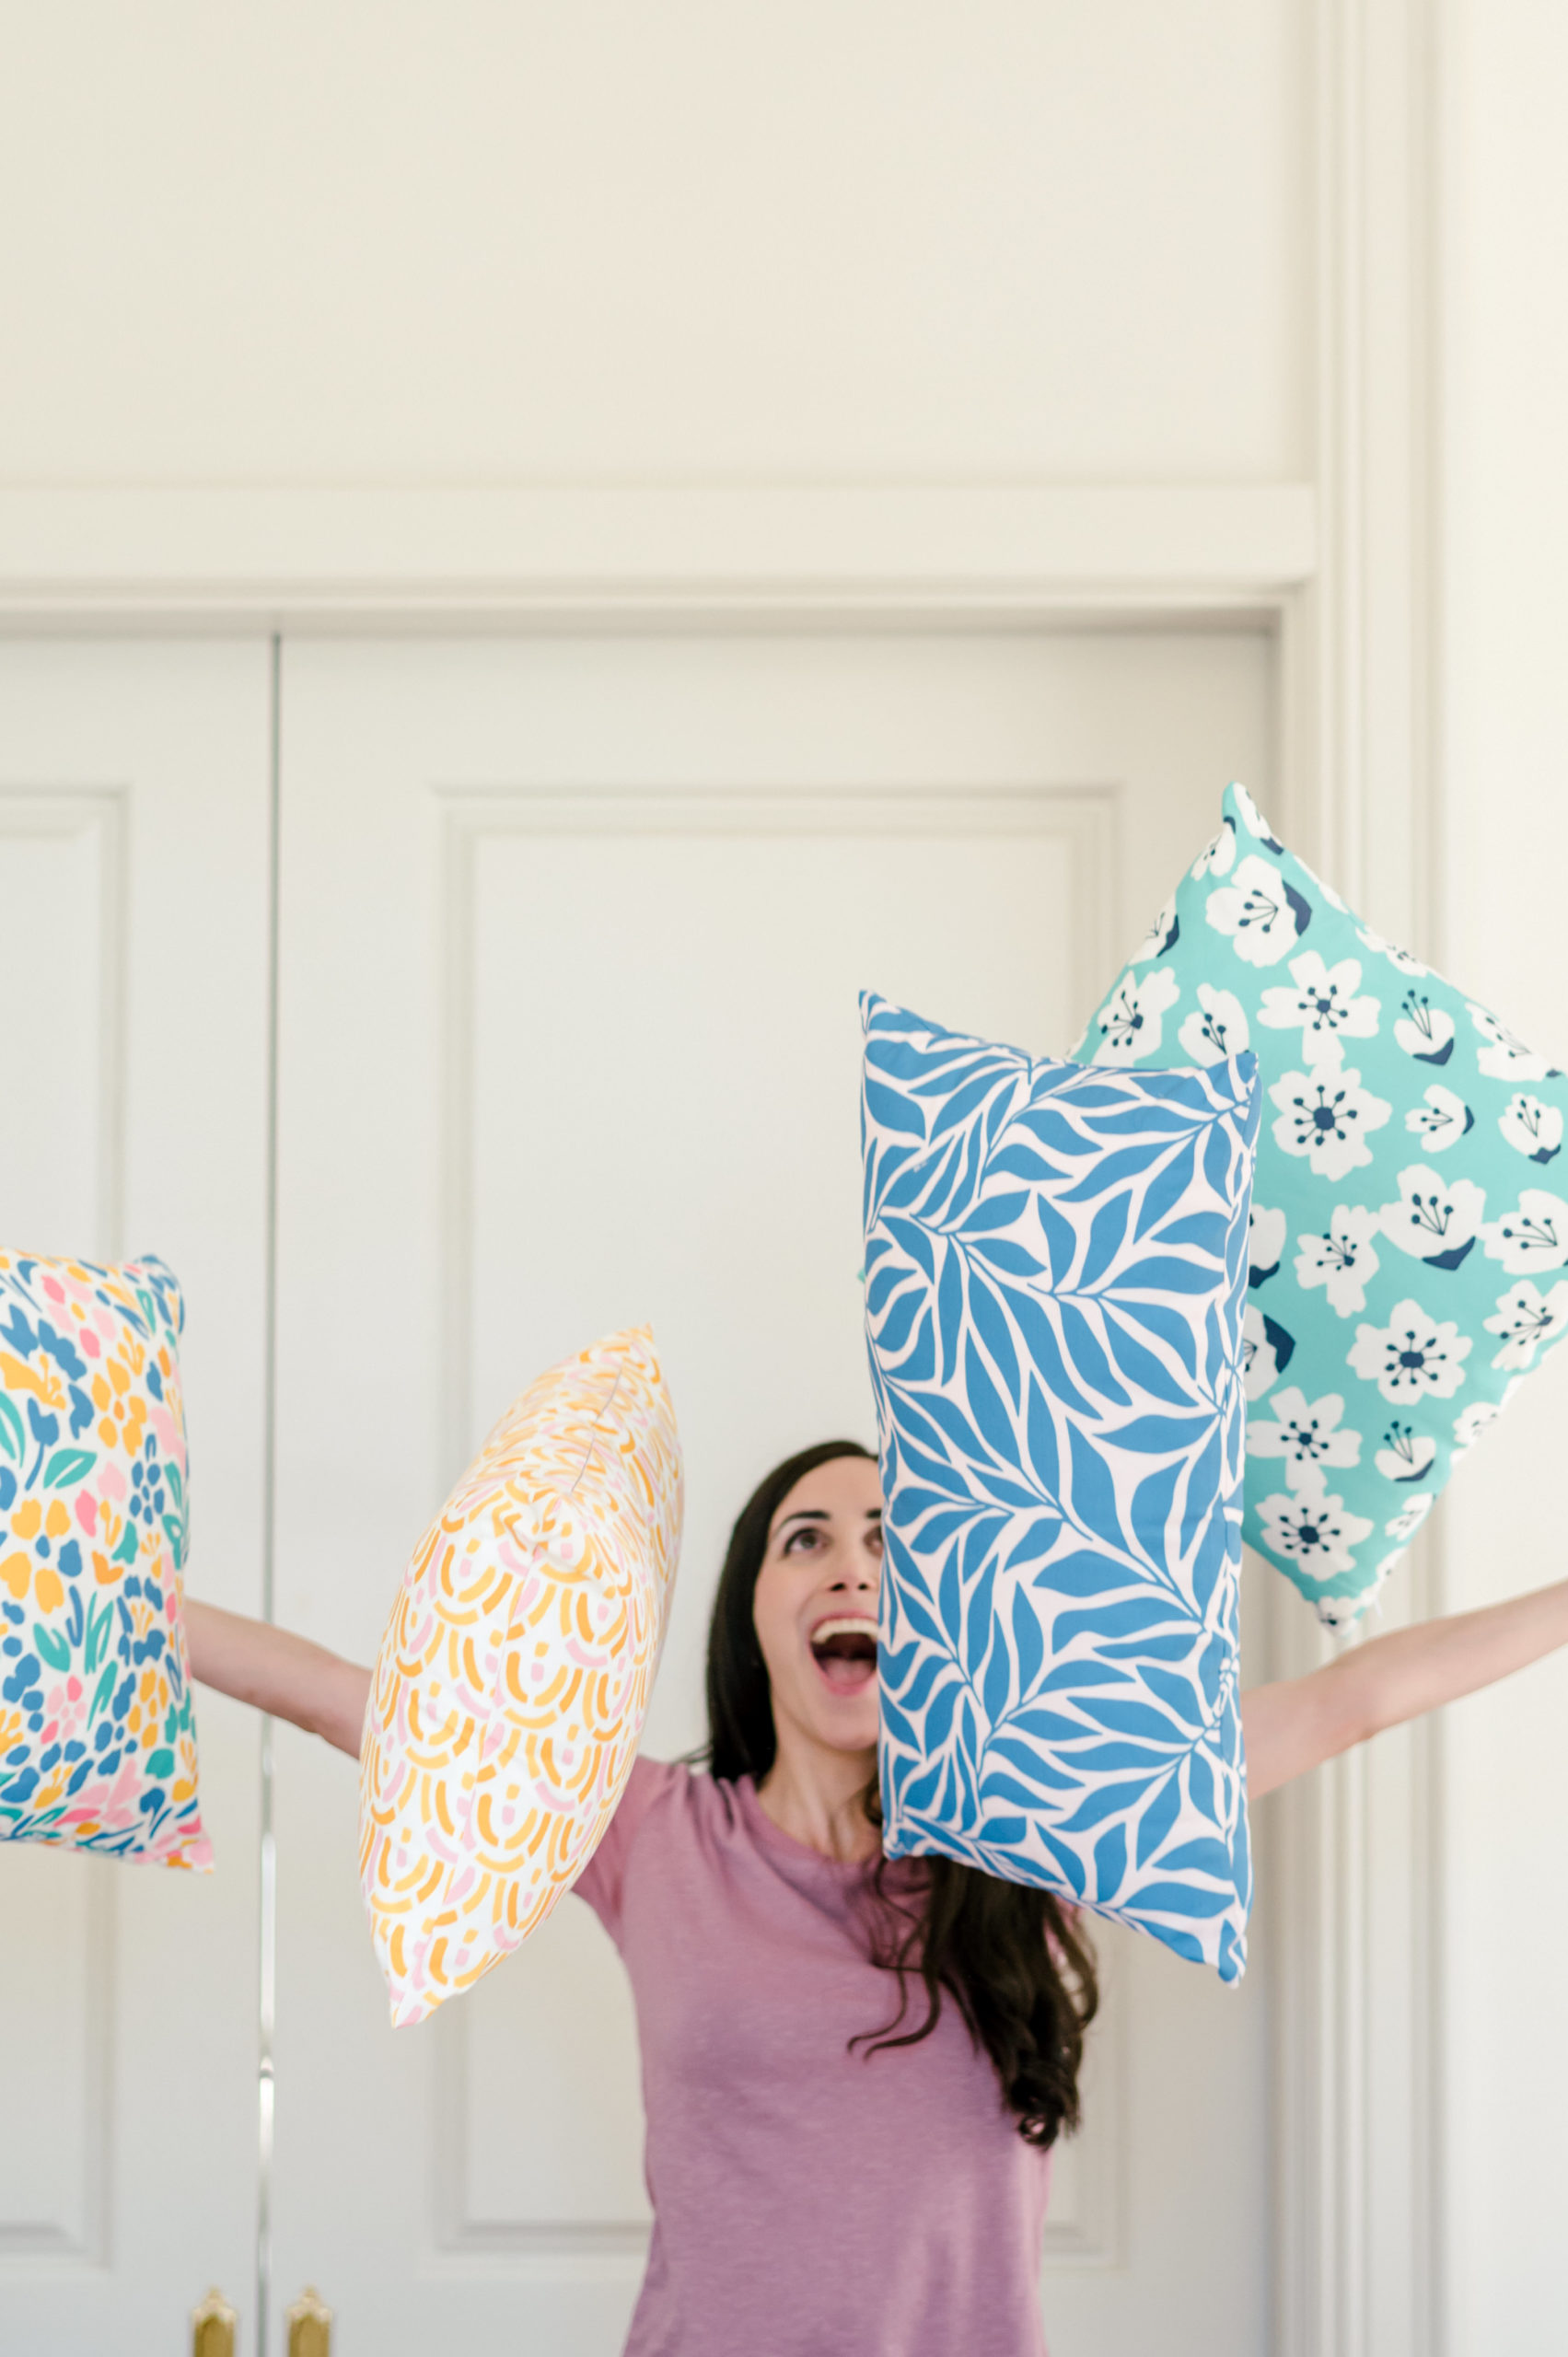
(515, 1672)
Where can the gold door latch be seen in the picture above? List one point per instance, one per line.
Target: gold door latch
(309, 2323)
(212, 2326)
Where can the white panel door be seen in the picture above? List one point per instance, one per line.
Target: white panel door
(134, 932)
(572, 933)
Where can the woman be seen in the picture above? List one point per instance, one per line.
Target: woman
(853, 2068)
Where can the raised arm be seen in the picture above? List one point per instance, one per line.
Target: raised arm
(1292, 1725)
(287, 1675)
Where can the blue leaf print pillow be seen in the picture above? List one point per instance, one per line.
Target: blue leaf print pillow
(1055, 1278)
(1410, 1230)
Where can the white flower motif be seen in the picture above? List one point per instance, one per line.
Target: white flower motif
(1433, 1221)
(1423, 1031)
(1326, 1115)
(1406, 1455)
(1340, 1611)
(1344, 1261)
(1266, 1351)
(1259, 911)
(1408, 1521)
(1130, 1021)
(1220, 856)
(1323, 1004)
(1216, 1029)
(1304, 1433)
(1394, 954)
(1469, 1425)
(1528, 1322)
(1311, 1529)
(1504, 1057)
(1413, 1355)
(1441, 1119)
(1252, 818)
(1531, 1127)
(1265, 1242)
(1533, 1237)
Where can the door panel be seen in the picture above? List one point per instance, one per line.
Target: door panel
(572, 933)
(134, 882)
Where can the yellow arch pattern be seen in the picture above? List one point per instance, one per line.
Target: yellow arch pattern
(514, 1675)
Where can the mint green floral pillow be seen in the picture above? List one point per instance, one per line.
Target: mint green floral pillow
(1410, 1220)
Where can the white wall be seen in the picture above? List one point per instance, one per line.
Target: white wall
(483, 241)
(1503, 459)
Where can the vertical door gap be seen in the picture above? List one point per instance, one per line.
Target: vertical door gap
(268, 1909)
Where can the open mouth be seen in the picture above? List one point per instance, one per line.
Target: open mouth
(845, 1654)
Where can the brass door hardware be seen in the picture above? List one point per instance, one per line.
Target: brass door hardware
(309, 2323)
(212, 2326)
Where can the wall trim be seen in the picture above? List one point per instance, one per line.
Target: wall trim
(595, 555)
(1358, 2060)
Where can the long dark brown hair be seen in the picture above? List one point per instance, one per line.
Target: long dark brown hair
(1020, 1972)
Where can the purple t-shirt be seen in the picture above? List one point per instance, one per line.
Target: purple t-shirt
(809, 2202)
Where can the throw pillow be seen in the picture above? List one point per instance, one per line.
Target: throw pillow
(1056, 1270)
(97, 1742)
(1410, 1230)
(514, 1676)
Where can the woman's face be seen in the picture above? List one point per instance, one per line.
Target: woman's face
(816, 1604)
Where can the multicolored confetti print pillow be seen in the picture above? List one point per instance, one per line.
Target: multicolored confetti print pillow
(1410, 1224)
(1055, 1277)
(514, 1676)
(98, 1744)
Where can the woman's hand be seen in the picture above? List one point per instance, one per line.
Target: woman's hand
(283, 1674)
(1290, 1726)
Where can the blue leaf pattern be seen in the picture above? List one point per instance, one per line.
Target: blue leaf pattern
(1061, 1470)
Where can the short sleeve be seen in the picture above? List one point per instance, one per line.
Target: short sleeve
(602, 1880)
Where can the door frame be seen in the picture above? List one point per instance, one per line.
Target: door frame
(1340, 569)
